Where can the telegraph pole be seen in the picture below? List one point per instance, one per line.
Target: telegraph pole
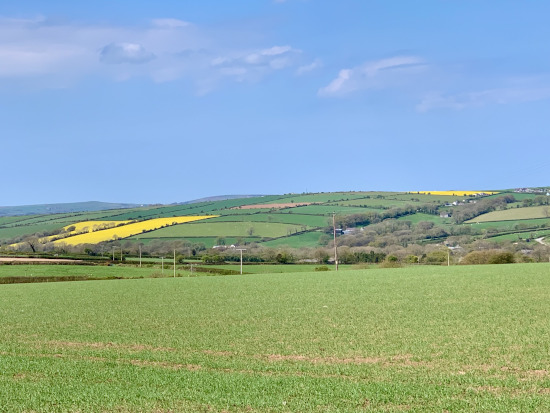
(140, 256)
(174, 263)
(334, 233)
(241, 250)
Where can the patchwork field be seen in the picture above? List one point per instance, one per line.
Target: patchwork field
(259, 219)
(422, 339)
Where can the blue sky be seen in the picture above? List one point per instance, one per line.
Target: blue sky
(169, 101)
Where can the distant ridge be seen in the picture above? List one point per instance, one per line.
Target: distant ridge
(218, 198)
(44, 209)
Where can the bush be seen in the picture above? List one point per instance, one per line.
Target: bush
(502, 258)
(322, 268)
(488, 257)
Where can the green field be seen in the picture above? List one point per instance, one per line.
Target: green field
(229, 229)
(514, 214)
(422, 339)
(510, 225)
(419, 217)
(521, 236)
(90, 271)
(308, 239)
(309, 220)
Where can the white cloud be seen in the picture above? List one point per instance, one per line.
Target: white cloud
(117, 53)
(316, 64)
(256, 64)
(165, 50)
(372, 75)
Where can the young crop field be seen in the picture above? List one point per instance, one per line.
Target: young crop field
(76, 271)
(421, 339)
(514, 214)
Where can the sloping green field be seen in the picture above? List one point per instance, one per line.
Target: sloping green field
(514, 214)
(220, 229)
(423, 339)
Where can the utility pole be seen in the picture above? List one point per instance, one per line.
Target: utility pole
(140, 256)
(448, 258)
(334, 233)
(174, 263)
(162, 265)
(241, 250)
(113, 252)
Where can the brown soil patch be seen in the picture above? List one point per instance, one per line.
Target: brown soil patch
(109, 345)
(398, 360)
(165, 364)
(218, 353)
(274, 206)
(40, 260)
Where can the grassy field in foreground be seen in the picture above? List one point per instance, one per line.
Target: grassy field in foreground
(422, 339)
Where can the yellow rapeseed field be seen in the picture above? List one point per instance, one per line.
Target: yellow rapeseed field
(127, 230)
(454, 193)
(82, 227)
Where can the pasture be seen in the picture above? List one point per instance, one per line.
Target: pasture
(514, 214)
(421, 339)
(220, 229)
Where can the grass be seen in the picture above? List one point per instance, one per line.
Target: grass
(297, 219)
(308, 239)
(521, 236)
(513, 224)
(226, 229)
(418, 339)
(64, 271)
(419, 217)
(12, 232)
(326, 210)
(513, 214)
(276, 268)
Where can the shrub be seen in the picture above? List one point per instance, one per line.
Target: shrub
(488, 257)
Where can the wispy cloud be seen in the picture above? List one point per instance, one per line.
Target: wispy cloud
(316, 64)
(117, 53)
(376, 74)
(165, 50)
(499, 96)
(169, 23)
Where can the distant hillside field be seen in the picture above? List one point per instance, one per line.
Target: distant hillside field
(60, 208)
(514, 214)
